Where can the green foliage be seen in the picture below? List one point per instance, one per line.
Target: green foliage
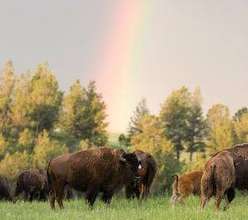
(83, 115)
(45, 149)
(220, 128)
(197, 164)
(197, 126)
(174, 117)
(124, 141)
(45, 99)
(3, 146)
(241, 128)
(140, 111)
(237, 116)
(13, 164)
(153, 141)
(7, 83)
(20, 105)
(26, 140)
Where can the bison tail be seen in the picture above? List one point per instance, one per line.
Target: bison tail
(176, 182)
(213, 173)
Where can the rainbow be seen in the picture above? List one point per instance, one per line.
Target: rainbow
(119, 58)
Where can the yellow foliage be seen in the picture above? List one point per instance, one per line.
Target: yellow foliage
(13, 164)
(151, 139)
(46, 149)
(198, 163)
(241, 128)
(221, 129)
(3, 144)
(25, 139)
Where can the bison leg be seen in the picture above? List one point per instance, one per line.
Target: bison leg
(26, 195)
(129, 192)
(173, 199)
(107, 197)
(181, 198)
(137, 192)
(204, 201)
(91, 195)
(52, 199)
(219, 196)
(230, 194)
(60, 195)
(31, 197)
(43, 196)
(146, 192)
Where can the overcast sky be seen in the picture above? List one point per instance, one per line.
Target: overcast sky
(192, 43)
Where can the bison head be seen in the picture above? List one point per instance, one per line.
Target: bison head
(133, 165)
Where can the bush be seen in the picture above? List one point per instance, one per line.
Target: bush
(45, 149)
(13, 164)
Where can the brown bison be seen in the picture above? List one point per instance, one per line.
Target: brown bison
(33, 183)
(240, 158)
(103, 170)
(185, 185)
(147, 173)
(218, 179)
(5, 189)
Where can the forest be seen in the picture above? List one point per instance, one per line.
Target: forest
(39, 121)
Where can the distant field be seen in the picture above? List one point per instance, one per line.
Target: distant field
(153, 208)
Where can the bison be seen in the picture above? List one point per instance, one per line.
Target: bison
(240, 157)
(5, 189)
(185, 185)
(147, 173)
(93, 171)
(218, 179)
(33, 183)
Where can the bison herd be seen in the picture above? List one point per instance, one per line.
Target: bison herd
(105, 171)
(223, 172)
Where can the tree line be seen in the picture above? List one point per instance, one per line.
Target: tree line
(39, 121)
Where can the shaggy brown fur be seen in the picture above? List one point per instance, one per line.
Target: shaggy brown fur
(240, 157)
(103, 170)
(5, 189)
(33, 183)
(185, 185)
(218, 179)
(146, 173)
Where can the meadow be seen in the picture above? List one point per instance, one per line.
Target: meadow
(154, 208)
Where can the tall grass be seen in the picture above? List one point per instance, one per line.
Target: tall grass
(153, 208)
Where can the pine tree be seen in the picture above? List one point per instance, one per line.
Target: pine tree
(140, 111)
(83, 115)
(196, 129)
(174, 116)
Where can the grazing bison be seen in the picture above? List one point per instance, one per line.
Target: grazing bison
(147, 173)
(185, 185)
(33, 183)
(218, 179)
(4, 189)
(103, 170)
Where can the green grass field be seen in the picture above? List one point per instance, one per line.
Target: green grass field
(153, 208)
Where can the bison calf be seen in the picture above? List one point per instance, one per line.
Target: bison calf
(218, 179)
(185, 185)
